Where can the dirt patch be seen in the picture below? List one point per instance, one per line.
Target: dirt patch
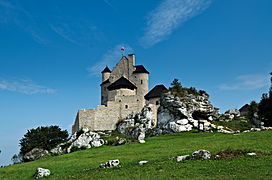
(234, 153)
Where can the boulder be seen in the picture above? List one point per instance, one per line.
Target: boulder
(85, 139)
(201, 154)
(35, 154)
(182, 158)
(110, 164)
(41, 172)
(142, 162)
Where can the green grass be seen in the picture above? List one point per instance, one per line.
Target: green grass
(238, 123)
(84, 164)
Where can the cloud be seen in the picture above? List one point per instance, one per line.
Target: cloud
(169, 15)
(109, 58)
(247, 82)
(25, 87)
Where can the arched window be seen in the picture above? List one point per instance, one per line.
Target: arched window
(141, 81)
(126, 106)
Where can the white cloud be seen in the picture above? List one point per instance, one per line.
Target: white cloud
(109, 58)
(170, 14)
(247, 82)
(25, 87)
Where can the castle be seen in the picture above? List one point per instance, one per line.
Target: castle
(124, 91)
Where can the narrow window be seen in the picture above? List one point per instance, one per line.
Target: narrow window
(126, 106)
(141, 81)
(119, 100)
(157, 103)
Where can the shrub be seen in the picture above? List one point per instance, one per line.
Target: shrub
(46, 138)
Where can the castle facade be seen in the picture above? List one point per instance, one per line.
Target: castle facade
(124, 91)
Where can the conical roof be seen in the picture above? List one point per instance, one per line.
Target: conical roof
(106, 70)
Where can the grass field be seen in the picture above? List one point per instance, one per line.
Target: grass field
(84, 164)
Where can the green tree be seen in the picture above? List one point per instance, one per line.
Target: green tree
(44, 137)
(265, 107)
(176, 88)
(252, 109)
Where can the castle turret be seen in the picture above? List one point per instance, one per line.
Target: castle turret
(105, 83)
(106, 74)
(141, 79)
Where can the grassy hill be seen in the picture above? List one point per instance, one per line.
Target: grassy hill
(157, 150)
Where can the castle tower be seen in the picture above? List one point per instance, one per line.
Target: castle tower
(105, 83)
(140, 75)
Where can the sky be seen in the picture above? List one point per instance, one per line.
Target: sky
(52, 53)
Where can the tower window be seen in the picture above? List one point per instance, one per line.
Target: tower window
(120, 101)
(141, 81)
(157, 103)
(126, 106)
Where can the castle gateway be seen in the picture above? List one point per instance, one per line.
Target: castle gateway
(124, 91)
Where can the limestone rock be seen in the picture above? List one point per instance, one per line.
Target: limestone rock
(177, 115)
(85, 139)
(110, 164)
(251, 154)
(234, 112)
(142, 162)
(201, 154)
(35, 154)
(182, 158)
(41, 172)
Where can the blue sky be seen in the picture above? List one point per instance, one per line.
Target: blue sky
(52, 53)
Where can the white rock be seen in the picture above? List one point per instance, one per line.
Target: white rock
(201, 154)
(142, 162)
(110, 164)
(182, 121)
(141, 141)
(181, 158)
(41, 172)
(252, 154)
(35, 154)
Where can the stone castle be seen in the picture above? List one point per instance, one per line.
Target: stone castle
(124, 91)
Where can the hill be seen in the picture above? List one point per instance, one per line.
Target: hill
(157, 150)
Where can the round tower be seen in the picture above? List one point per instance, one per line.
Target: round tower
(106, 74)
(141, 80)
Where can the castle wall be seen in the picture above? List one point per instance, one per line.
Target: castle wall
(106, 117)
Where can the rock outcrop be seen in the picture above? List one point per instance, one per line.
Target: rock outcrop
(83, 139)
(41, 172)
(35, 154)
(178, 115)
(135, 126)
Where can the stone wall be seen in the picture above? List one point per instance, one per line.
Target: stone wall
(106, 117)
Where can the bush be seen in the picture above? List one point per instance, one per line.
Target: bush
(265, 107)
(177, 90)
(46, 138)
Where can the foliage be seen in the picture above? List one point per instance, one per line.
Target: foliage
(265, 107)
(157, 151)
(252, 110)
(237, 123)
(17, 158)
(44, 137)
(177, 90)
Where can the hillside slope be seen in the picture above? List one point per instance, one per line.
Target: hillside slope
(157, 150)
